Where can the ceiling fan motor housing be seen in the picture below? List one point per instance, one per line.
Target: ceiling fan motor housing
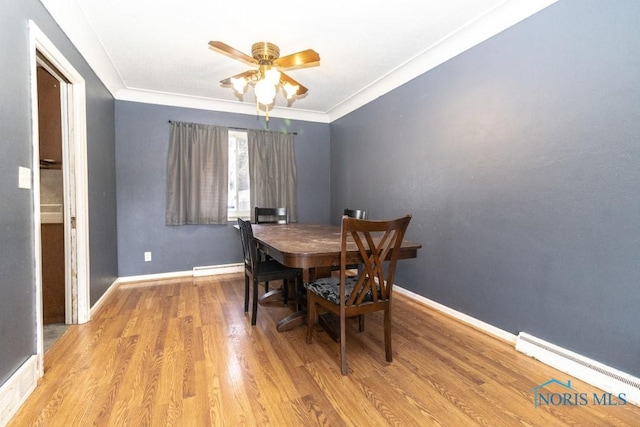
(265, 53)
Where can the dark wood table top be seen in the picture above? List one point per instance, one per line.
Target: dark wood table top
(311, 245)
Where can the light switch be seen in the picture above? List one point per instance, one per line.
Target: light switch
(24, 177)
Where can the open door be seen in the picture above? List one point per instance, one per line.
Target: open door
(52, 200)
(74, 170)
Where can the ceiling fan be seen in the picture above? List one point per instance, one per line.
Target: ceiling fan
(269, 75)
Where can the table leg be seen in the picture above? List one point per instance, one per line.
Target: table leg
(327, 321)
(298, 317)
(271, 296)
(331, 324)
(291, 321)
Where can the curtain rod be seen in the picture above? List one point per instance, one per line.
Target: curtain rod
(234, 128)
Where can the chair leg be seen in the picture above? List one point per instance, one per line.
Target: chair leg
(265, 257)
(387, 335)
(254, 303)
(312, 316)
(343, 344)
(246, 293)
(361, 322)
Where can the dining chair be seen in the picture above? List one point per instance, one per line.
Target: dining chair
(261, 270)
(358, 214)
(355, 213)
(271, 215)
(378, 244)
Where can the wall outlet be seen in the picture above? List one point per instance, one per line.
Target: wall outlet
(147, 256)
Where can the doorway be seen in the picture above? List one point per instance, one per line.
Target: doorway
(52, 185)
(62, 153)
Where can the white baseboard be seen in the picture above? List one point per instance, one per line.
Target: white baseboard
(17, 388)
(103, 298)
(151, 277)
(590, 371)
(196, 272)
(212, 270)
(471, 321)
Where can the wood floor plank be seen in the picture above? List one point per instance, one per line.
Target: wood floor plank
(183, 352)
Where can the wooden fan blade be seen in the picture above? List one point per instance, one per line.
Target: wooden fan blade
(285, 78)
(247, 75)
(305, 58)
(231, 52)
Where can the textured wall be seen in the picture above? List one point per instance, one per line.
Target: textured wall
(17, 305)
(17, 280)
(519, 161)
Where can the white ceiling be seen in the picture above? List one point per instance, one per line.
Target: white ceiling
(157, 51)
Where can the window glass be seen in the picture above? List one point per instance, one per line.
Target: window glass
(238, 205)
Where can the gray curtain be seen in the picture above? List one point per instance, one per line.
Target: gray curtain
(272, 171)
(197, 174)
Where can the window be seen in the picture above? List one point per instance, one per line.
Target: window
(239, 203)
(215, 175)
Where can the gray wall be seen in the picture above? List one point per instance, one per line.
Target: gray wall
(520, 162)
(141, 157)
(17, 287)
(101, 154)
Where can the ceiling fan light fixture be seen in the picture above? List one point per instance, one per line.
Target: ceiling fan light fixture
(290, 90)
(239, 84)
(265, 92)
(271, 75)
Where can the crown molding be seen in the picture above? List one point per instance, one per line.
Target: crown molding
(75, 25)
(484, 27)
(202, 103)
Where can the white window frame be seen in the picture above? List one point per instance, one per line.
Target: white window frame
(233, 213)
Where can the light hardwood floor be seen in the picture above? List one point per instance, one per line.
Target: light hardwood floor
(183, 353)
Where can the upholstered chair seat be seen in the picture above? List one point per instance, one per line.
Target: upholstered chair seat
(329, 289)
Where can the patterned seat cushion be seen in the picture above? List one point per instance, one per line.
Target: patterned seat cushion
(329, 289)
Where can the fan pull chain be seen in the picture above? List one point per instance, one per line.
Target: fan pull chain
(266, 107)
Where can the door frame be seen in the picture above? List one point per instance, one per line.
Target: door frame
(76, 206)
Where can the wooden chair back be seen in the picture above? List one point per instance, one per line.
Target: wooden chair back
(358, 214)
(271, 215)
(378, 243)
(355, 213)
(249, 247)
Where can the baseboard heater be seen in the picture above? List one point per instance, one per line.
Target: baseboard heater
(211, 270)
(590, 371)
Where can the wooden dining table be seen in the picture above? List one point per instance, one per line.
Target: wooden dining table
(313, 247)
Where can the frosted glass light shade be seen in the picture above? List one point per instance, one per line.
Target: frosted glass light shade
(265, 92)
(272, 75)
(290, 90)
(239, 84)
